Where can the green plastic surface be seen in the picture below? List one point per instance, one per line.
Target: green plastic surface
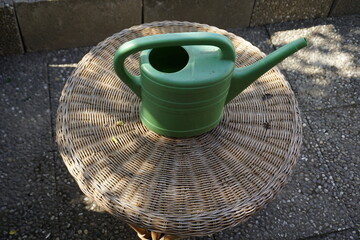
(187, 78)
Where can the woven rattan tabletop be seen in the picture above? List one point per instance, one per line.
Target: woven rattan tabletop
(189, 187)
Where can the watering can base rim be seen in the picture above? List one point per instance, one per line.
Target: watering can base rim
(179, 133)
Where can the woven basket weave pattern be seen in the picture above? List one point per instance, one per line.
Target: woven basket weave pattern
(187, 187)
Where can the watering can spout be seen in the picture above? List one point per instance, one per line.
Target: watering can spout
(243, 77)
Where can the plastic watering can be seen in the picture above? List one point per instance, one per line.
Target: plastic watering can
(187, 78)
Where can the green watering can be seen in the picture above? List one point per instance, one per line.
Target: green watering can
(187, 78)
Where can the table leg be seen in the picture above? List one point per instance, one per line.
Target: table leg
(144, 234)
(169, 237)
(155, 236)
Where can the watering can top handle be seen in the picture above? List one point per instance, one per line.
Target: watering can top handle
(167, 40)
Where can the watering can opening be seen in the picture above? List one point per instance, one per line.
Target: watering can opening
(168, 59)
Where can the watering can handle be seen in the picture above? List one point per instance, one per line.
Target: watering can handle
(166, 40)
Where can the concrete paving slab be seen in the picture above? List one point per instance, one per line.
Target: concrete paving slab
(24, 104)
(285, 10)
(326, 73)
(337, 131)
(27, 167)
(350, 234)
(306, 207)
(78, 218)
(230, 13)
(28, 187)
(60, 65)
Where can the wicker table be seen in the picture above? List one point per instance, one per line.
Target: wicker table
(176, 187)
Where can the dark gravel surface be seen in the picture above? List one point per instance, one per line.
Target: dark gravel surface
(40, 200)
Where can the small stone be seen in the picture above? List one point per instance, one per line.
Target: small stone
(119, 123)
(114, 140)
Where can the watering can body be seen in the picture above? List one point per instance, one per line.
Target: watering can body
(185, 80)
(186, 102)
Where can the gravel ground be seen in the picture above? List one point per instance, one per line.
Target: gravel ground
(40, 200)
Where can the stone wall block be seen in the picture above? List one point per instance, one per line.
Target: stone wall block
(219, 13)
(345, 7)
(10, 38)
(266, 12)
(56, 24)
